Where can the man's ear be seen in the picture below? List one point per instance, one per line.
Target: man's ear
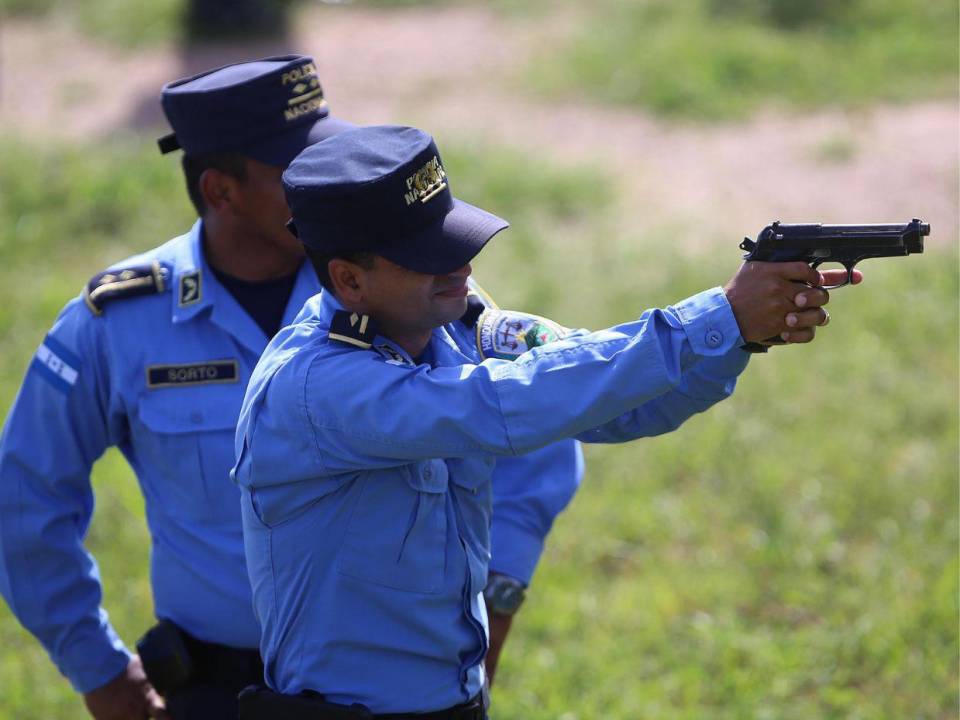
(347, 280)
(218, 189)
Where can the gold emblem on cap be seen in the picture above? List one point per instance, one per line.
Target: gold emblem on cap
(299, 73)
(307, 93)
(426, 182)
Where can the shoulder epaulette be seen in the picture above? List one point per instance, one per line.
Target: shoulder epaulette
(353, 328)
(124, 283)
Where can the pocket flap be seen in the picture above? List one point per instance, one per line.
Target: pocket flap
(166, 413)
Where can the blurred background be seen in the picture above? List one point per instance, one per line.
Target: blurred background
(791, 554)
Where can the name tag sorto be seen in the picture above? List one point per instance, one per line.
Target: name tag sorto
(202, 373)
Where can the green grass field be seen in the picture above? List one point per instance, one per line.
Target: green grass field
(716, 59)
(792, 554)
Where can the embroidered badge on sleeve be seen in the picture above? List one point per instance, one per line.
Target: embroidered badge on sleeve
(57, 365)
(507, 335)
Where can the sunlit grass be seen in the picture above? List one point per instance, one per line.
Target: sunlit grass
(708, 59)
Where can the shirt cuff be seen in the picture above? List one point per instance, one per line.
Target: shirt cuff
(709, 323)
(514, 551)
(93, 662)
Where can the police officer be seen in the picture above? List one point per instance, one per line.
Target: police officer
(370, 427)
(153, 358)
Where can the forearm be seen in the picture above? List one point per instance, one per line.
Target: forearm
(704, 385)
(656, 380)
(51, 585)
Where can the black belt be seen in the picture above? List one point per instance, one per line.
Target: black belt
(473, 709)
(216, 662)
(259, 703)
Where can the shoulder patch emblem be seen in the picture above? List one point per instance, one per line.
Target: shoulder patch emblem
(190, 287)
(126, 283)
(198, 373)
(507, 335)
(353, 328)
(57, 365)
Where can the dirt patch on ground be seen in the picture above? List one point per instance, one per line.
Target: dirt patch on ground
(453, 71)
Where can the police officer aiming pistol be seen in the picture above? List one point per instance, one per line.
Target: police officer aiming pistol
(370, 428)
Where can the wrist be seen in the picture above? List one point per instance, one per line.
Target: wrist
(93, 662)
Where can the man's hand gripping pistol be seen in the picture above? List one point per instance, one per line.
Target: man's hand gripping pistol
(846, 245)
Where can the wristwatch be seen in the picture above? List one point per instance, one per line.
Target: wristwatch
(504, 595)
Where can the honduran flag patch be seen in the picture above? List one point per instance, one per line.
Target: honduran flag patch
(58, 365)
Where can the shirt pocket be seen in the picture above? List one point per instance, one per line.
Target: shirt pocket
(470, 480)
(397, 535)
(185, 449)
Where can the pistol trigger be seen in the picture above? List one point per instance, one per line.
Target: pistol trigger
(849, 269)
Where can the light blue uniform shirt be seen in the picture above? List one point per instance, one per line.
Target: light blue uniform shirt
(366, 482)
(89, 388)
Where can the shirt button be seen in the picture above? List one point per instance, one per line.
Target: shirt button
(196, 418)
(714, 338)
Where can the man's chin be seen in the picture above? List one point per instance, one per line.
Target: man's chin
(450, 308)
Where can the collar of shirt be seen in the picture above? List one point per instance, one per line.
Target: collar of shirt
(196, 289)
(445, 346)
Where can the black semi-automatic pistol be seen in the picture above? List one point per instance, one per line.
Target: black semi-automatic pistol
(845, 245)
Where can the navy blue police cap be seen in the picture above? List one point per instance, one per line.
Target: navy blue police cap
(267, 109)
(384, 190)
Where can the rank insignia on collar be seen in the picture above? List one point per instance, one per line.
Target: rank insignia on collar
(353, 328)
(392, 355)
(190, 289)
(507, 335)
(124, 283)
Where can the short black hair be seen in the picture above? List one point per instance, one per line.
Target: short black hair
(321, 262)
(230, 163)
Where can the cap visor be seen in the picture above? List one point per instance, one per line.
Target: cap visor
(448, 245)
(280, 150)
